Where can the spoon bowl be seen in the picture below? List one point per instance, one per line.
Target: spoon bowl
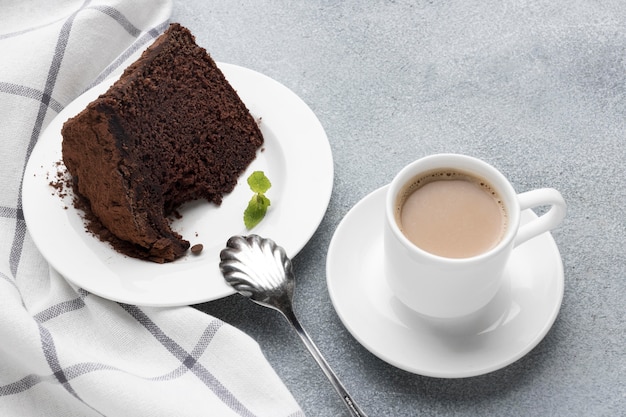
(258, 269)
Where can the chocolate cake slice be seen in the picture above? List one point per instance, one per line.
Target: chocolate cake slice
(170, 130)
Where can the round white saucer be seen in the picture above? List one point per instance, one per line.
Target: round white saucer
(511, 325)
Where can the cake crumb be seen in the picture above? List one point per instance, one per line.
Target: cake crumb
(197, 248)
(60, 181)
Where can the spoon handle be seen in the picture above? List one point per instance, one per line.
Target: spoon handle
(354, 409)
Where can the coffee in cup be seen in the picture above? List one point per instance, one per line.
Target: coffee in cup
(451, 213)
(446, 273)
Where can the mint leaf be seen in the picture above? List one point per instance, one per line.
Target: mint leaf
(255, 212)
(258, 204)
(258, 182)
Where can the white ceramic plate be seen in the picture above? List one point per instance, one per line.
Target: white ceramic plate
(505, 330)
(296, 158)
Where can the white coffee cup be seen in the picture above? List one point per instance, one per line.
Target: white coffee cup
(442, 287)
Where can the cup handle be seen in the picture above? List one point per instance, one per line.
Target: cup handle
(549, 220)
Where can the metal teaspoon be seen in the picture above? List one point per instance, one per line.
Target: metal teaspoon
(260, 270)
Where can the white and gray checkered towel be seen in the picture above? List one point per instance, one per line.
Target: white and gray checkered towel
(65, 352)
